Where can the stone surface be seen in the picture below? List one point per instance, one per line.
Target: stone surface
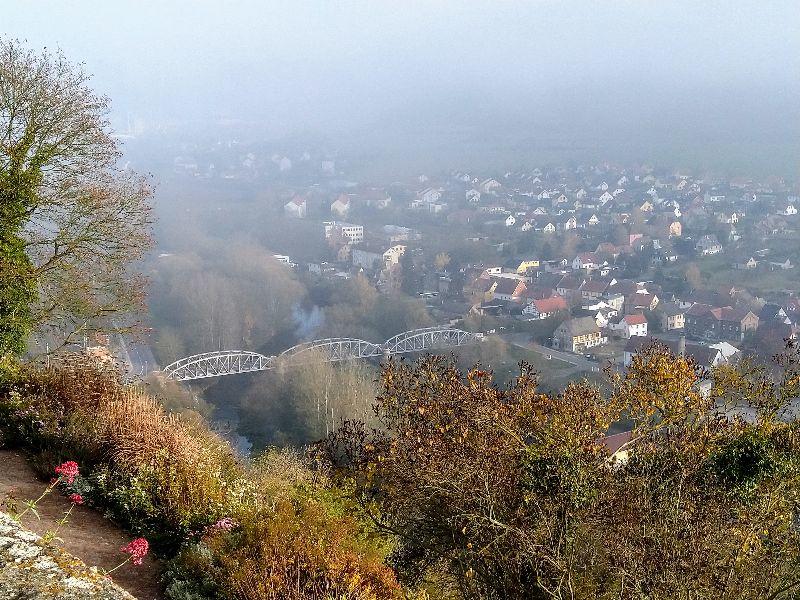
(33, 570)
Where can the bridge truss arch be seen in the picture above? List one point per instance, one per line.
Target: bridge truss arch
(430, 338)
(231, 362)
(214, 364)
(330, 350)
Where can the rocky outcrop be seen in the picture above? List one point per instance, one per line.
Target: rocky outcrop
(33, 570)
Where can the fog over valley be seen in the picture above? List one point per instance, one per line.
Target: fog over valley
(447, 84)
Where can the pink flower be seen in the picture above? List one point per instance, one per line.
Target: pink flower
(225, 524)
(68, 470)
(75, 498)
(137, 549)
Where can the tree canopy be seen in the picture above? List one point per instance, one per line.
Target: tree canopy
(513, 493)
(70, 222)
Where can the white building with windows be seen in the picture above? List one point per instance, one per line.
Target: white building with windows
(354, 234)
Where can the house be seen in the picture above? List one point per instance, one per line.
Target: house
(605, 198)
(296, 207)
(708, 245)
(630, 326)
(703, 321)
(488, 185)
(586, 260)
(353, 234)
(578, 334)
(601, 313)
(569, 287)
(747, 265)
(788, 211)
(510, 290)
(672, 316)
(675, 229)
(639, 302)
(727, 219)
(392, 255)
(593, 289)
(607, 249)
(396, 233)
(341, 206)
(713, 197)
(545, 307)
(784, 265)
(614, 300)
(429, 195)
(343, 253)
(527, 265)
(473, 196)
(571, 223)
(510, 220)
(549, 228)
(771, 312)
(375, 198)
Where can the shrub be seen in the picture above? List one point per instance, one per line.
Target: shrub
(512, 493)
(170, 479)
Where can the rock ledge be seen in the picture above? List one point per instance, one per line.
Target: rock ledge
(31, 570)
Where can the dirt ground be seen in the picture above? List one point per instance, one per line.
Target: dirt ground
(87, 535)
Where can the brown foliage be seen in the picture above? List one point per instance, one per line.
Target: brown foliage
(510, 493)
(295, 539)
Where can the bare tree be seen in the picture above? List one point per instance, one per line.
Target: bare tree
(71, 223)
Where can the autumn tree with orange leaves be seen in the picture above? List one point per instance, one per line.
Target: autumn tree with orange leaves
(512, 493)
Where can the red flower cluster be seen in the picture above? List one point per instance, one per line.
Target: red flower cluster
(68, 470)
(137, 549)
(75, 498)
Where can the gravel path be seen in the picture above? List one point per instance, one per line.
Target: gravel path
(87, 535)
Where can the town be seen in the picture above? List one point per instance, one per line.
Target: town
(592, 261)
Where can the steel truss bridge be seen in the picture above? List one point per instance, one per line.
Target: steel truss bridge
(232, 362)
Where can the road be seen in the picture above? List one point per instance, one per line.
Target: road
(138, 357)
(580, 363)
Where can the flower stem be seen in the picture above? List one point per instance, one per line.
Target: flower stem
(124, 562)
(63, 520)
(46, 491)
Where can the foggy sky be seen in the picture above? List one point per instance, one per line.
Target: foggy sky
(614, 68)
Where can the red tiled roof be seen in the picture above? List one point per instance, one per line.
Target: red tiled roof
(635, 319)
(550, 305)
